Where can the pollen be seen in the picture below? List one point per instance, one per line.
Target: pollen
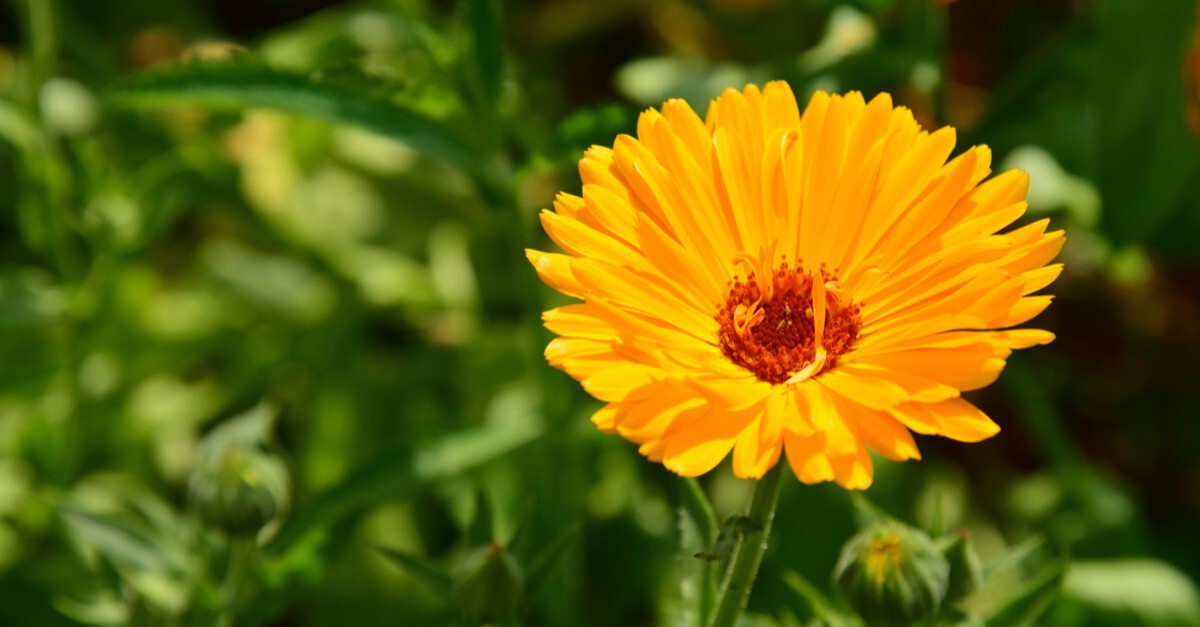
(773, 329)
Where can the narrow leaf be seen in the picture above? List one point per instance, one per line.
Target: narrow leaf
(698, 510)
(1014, 557)
(1025, 608)
(697, 530)
(485, 25)
(867, 513)
(937, 523)
(542, 567)
(479, 532)
(120, 541)
(429, 575)
(813, 603)
(242, 84)
(398, 473)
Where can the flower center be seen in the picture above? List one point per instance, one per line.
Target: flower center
(789, 328)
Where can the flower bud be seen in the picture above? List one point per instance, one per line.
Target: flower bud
(239, 488)
(892, 575)
(488, 585)
(966, 571)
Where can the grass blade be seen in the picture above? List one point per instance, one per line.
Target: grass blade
(241, 84)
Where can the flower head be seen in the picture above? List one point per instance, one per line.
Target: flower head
(771, 282)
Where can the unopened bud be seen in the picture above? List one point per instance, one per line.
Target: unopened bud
(239, 488)
(488, 585)
(966, 571)
(892, 575)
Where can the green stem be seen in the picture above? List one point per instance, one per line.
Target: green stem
(42, 38)
(735, 590)
(243, 553)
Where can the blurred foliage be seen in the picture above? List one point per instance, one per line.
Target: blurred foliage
(272, 250)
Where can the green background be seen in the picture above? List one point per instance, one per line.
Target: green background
(318, 243)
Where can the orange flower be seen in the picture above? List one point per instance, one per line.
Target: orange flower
(766, 282)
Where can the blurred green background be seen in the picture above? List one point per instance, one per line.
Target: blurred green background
(294, 229)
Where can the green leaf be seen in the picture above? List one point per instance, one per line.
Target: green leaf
(1145, 591)
(251, 428)
(966, 574)
(19, 129)
(429, 575)
(867, 513)
(1014, 557)
(97, 607)
(243, 84)
(521, 542)
(480, 532)
(813, 603)
(727, 538)
(28, 300)
(541, 568)
(488, 49)
(1148, 158)
(122, 542)
(398, 473)
(697, 530)
(1027, 605)
(937, 523)
(699, 512)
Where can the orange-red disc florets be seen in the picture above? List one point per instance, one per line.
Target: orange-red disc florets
(772, 332)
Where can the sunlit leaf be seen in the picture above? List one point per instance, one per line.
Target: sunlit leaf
(1148, 592)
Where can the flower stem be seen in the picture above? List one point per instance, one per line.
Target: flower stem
(241, 559)
(739, 578)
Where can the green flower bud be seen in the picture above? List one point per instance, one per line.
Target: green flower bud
(488, 585)
(966, 571)
(892, 575)
(239, 488)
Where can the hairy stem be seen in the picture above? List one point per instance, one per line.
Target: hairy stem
(739, 578)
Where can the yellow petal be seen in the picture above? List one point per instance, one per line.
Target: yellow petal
(555, 270)
(622, 382)
(753, 457)
(953, 418)
(704, 443)
(645, 294)
(854, 471)
(605, 418)
(806, 455)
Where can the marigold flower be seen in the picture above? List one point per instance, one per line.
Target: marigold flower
(768, 282)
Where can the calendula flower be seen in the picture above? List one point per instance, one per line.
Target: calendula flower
(774, 283)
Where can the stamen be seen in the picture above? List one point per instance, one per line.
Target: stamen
(818, 298)
(786, 326)
(811, 370)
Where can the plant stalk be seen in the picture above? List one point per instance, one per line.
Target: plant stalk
(743, 567)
